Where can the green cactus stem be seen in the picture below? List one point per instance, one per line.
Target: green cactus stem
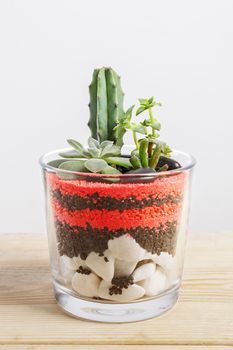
(106, 105)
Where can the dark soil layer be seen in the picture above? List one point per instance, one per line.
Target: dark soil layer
(76, 240)
(94, 201)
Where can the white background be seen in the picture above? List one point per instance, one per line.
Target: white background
(179, 51)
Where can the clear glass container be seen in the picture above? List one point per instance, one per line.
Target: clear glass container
(116, 243)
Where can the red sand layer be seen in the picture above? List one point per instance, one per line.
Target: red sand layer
(114, 219)
(169, 185)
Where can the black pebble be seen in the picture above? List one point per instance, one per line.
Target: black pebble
(172, 164)
(142, 171)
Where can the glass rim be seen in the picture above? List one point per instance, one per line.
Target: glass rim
(44, 165)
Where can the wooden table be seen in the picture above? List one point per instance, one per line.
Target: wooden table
(30, 319)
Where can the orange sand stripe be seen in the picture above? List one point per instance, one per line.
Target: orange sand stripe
(172, 185)
(130, 218)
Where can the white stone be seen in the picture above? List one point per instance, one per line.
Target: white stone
(77, 261)
(133, 292)
(68, 268)
(104, 269)
(68, 263)
(144, 271)
(86, 285)
(124, 268)
(164, 259)
(154, 284)
(126, 248)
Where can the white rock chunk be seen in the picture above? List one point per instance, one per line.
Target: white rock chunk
(86, 285)
(103, 266)
(124, 268)
(68, 268)
(164, 259)
(144, 271)
(154, 284)
(126, 248)
(68, 263)
(77, 261)
(133, 292)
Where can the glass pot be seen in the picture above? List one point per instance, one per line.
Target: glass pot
(116, 243)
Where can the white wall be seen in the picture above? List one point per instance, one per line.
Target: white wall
(180, 51)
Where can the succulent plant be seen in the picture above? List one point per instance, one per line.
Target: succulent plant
(148, 149)
(106, 105)
(98, 157)
(108, 123)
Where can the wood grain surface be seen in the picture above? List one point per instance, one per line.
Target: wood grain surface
(30, 319)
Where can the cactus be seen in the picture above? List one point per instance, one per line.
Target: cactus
(106, 105)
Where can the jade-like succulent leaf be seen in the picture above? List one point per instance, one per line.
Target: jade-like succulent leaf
(55, 163)
(71, 154)
(121, 161)
(110, 170)
(95, 165)
(93, 143)
(73, 165)
(76, 145)
(105, 144)
(94, 152)
(111, 151)
(135, 152)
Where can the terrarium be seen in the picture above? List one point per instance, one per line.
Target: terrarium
(117, 214)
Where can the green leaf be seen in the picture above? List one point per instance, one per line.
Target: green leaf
(71, 154)
(166, 150)
(121, 161)
(152, 139)
(110, 170)
(151, 100)
(141, 129)
(143, 153)
(92, 143)
(156, 125)
(164, 168)
(129, 111)
(111, 151)
(76, 145)
(135, 152)
(127, 115)
(155, 157)
(86, 154)
(143, 101)
(55, 163)
(94, 152)
(73, 165)
(95, 165)
(105, 144)
(140, 110)
(135, 161)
